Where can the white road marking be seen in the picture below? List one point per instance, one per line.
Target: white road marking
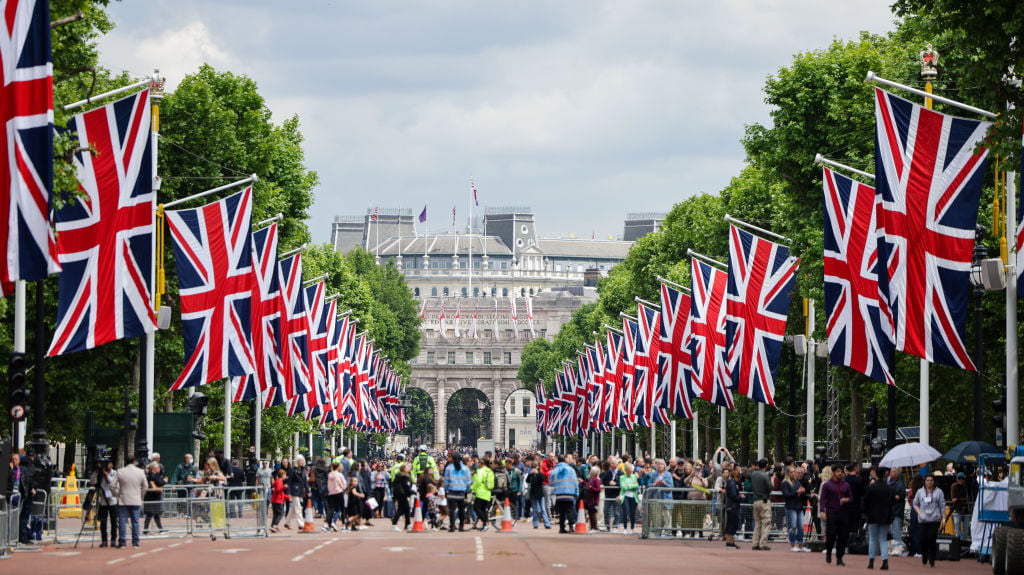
(157, 549)
(479, 549)
(65, 553)
(298, 558)
(173, 545)
(137, 555)
(232, 551)
(115, 561)
(398, 549)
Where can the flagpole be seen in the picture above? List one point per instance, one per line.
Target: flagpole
(156, 94)
(819, 159)
(19, 347)
(469, 293)
(150, 81)
(1012, 435)
(924, 420)
(253, 178)
(927, 95)
(744, 224)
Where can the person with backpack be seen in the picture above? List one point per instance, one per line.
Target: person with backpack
(515, 487)
(501, 482)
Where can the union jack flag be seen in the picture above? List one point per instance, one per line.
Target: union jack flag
(321, 322)
(675, 347)
(294, 328)
(106, 235)
(761, 276)
(1020, 226)
(213, 253)
(613, 370)
(648, 391)
(338, 358)
(707, 343)
(512, 313)
(542, 408)
(626, 416)
(266, 324)
(27, 249)
(929, 178)
(859, 323)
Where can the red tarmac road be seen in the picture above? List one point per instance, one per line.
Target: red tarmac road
(524, 550)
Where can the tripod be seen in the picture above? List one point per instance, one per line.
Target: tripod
(86, 516)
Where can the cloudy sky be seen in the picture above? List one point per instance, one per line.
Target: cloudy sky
(583, 110)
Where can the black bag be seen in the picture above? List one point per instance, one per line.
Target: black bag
(858, 543)
(948, 548)
(389, 508)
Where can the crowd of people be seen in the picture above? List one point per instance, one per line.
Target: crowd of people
(460, 489)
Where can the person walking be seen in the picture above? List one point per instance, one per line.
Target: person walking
(877, 508)
(278, 496)
(592, 496)
(298, 491)
(535, 491)
(132, 484)
(457, 481)
(402, 491)
(483, 483)
(356, 502)
(929, 503)
(154, 496)
(336, 485)
(835, 494)
(564, 485)
(515, 488)
(761, 486)
(898, 493)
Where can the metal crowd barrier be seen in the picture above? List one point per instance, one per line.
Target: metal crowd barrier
(667, 517)
(178, 511)
(5, 540)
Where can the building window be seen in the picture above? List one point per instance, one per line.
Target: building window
(433, 292)
(508, 358)
(465, 292)
(526, 407)
(431, 358)
(558, 267)
(451, 358)
(487, 358)
(469, 358)
(445, 292)
(476, 292)
(504, 292)
(416, 292)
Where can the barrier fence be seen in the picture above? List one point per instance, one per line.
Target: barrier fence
(175, 511)
(5, 540)
(668, 511)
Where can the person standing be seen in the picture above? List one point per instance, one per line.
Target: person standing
(401, 489)
(592, 496)
(457, 481)
(154, 496)
(264, 478)
(629, 497)
(835, 494)
(732, 507)
(336, 485)
(105, 480)
(929, 503)
(564, 485)
(483, 483)
(959, 498)
(535, 491)
(898, 498)
(857, 487)
(515, 488)
(612, 507)
(132, 484)
(794, 495)
(877, 507)
(761, 486)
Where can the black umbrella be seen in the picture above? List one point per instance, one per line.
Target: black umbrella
(968, 451)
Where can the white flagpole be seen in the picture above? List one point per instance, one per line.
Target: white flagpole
(19, 347)
(872, 77)
(469, 292)
(250, 180)
(1012, 435)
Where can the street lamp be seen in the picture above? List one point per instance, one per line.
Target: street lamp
(977, 279)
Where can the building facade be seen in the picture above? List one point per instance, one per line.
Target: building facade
(498, 285)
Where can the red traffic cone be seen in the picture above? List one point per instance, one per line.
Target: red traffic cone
(506, 517)
(417, 517)
(307, 520)
(581, 519)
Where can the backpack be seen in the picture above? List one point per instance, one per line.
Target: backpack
(500, 482)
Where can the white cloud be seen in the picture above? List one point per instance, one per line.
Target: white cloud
(584, 110)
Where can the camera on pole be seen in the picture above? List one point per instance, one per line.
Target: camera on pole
(999, 419)
(198, 404)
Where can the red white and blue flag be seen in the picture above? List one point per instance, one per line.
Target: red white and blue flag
(762, 274)
(294, 328)
(929, 173)
(675, 348)
(1020, 225)
(106, 233)
(707, 343)
(266, 323)
(649, 393)
(859, 324)
(613, 369)
(27, 248)
(213, 253)
(472, 187)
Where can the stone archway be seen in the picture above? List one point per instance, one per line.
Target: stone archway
(469, 413)
(419, 420)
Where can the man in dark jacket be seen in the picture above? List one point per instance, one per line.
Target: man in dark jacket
(877, 508)
(298, 491)
(898, 498)
(857, 488)
(19, 487)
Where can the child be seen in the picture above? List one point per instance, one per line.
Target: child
(277, 499)
(442, 503)
(356, 499)
(430, 506)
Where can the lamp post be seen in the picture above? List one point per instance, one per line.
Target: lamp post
(980, 252)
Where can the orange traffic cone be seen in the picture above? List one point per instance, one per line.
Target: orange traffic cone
(581, 519)
(70, 505)
(506, 517)
(809, 521)
(417, 518)
(307, 520)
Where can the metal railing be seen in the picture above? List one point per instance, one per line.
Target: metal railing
(665, 516)
(5, 539)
